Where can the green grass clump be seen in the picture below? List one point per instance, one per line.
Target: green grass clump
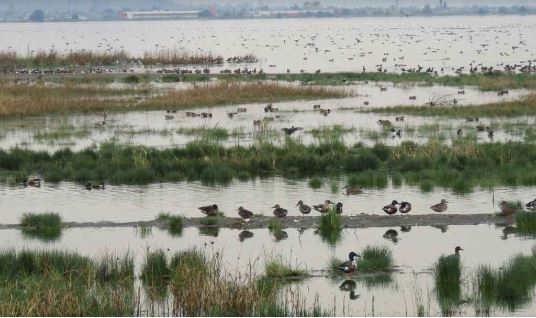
(526, 223)
(275, 267)
(510, 287)
(375, 259)
(131, 79)
(209, 221)
(447, 274)
(316, 183)
(276, 229)
(330, 228)
(45, 226)
(174, 223)
(57, 283)
(155, 270)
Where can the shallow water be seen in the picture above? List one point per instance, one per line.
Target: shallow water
(413, 257)
(134, 203)
(150, 128)
(341, 44)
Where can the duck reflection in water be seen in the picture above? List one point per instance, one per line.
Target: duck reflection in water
(442, 227)
(350, 285)
(508, 230)
(245, 235)
(391, 235)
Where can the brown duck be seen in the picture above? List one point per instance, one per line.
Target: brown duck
(210, 210)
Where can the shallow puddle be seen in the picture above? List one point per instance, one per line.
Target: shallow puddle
(150, 128)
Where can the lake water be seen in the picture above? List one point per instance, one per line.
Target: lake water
(413, 257)
(334, 45)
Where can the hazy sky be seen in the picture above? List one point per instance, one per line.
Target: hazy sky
(62, 5)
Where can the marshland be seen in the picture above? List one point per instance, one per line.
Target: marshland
(140, 174)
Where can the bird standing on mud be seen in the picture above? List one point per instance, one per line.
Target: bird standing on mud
(323, 208)
(440, 207)
(210, 210)
(405, 207)
(245, 214)
(304, 208)
(279, 211)
(391, 208)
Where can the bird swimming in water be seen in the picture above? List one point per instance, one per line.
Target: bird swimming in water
(352, 190)
(90, 186)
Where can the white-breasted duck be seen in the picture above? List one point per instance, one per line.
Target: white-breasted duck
(531, 205)
(32, 182)
(323, 208)
(338, 208)
(405, 207)
(391, 208)
(350, 265)
(91, 186)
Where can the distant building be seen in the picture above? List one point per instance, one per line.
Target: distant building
(158, 15)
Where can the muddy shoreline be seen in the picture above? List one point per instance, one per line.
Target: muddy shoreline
(307, 222)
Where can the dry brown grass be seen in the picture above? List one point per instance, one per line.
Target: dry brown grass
(21, 100)
(237, 93)
(177, 57)
(10, 59)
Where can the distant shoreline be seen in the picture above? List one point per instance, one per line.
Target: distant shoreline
(530, 13)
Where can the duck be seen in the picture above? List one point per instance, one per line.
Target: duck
(279, 211)
(506, 209)
(399, 118)
(440, 207)
(245, 214)
(90, 186)
(531, 205)
(396, 132)
(459, 132)
(210, 210)
(323, 208)
(405, 207)
(391, 208)
(291, 130)
(338, 208)
(350, 265)
(32, 182)
(352, 190)
(456, 254)
(304, 208)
